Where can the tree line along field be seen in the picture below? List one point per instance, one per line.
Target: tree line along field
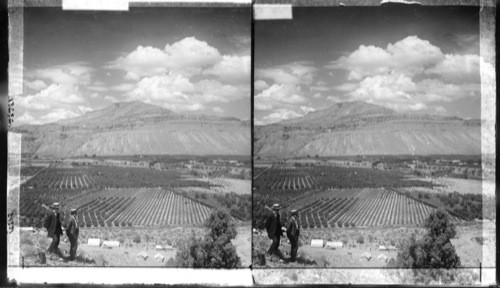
(238, 205)
(370, 199)
(311, 177)
(113, 197)
(468, 206)
(84, 177)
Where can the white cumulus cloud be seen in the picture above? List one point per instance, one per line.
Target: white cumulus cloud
(280, 115)
(458, 69)
(409, 75)
(232, 69)
(260, 85)
(56, 102)
(217, 109)
(187, 57)
(76, 73)
(278, 96)
(410, 56)
(293, 73)
(35, 84)
(178, 93)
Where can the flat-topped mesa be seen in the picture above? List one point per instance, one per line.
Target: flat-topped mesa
(356, 114)
(121, 110)
(359, 128)
(344, 110)
(136, 112)
(132, 128)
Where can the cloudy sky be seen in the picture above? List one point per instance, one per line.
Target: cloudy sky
(410, 59)
(184, 59)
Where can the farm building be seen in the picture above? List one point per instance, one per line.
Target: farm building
(341, 163)
(158, 166)
(125, 163)
(382, 248)
(82, 161)
(305, 162)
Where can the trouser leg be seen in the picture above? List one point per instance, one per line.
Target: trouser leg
(56, 248)
(274, 246)
(54, 245)
(270, 251)
(294, 249)
(74, 246)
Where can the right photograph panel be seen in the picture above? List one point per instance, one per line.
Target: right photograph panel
(367, 141)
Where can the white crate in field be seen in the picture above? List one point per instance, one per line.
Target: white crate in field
(366, 255)
(94, 242)
(334, 245)
(158, 257)
(29, 229)
(143, 255)
(110, 244)
(317, 243)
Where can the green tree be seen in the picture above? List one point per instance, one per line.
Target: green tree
(431, 257)
(215, 249)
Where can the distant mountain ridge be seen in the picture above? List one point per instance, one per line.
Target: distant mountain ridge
(131, 128)
(121, 111)
(360, 128)
(140, 112)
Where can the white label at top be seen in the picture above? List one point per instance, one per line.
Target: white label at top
(272, 11)
(108, 5)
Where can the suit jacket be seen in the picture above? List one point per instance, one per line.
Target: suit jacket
(292, 229)
(273, 225)
(72, 228)
(53, 224)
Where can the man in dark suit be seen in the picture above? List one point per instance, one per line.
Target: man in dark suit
(54, 230)
(72, 230)
(274, 230)
(293, 233)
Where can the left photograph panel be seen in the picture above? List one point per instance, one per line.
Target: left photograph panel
(131, 141)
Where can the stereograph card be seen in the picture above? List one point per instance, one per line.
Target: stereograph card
(240, 143)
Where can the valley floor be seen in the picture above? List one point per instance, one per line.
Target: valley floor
(34, 242)
(468, 249)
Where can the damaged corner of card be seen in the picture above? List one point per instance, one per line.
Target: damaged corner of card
(273, 12)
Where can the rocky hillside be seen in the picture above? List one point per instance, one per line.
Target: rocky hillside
(359, 128)
(132, 128)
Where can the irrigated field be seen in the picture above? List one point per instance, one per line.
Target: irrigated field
(112, 197)
(83, 177)
(339, 197)
(138, 207)
(290, 178)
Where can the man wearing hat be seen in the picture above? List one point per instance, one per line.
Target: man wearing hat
(53, 226)
(293, 232)
(72, 230)
(273, 228)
